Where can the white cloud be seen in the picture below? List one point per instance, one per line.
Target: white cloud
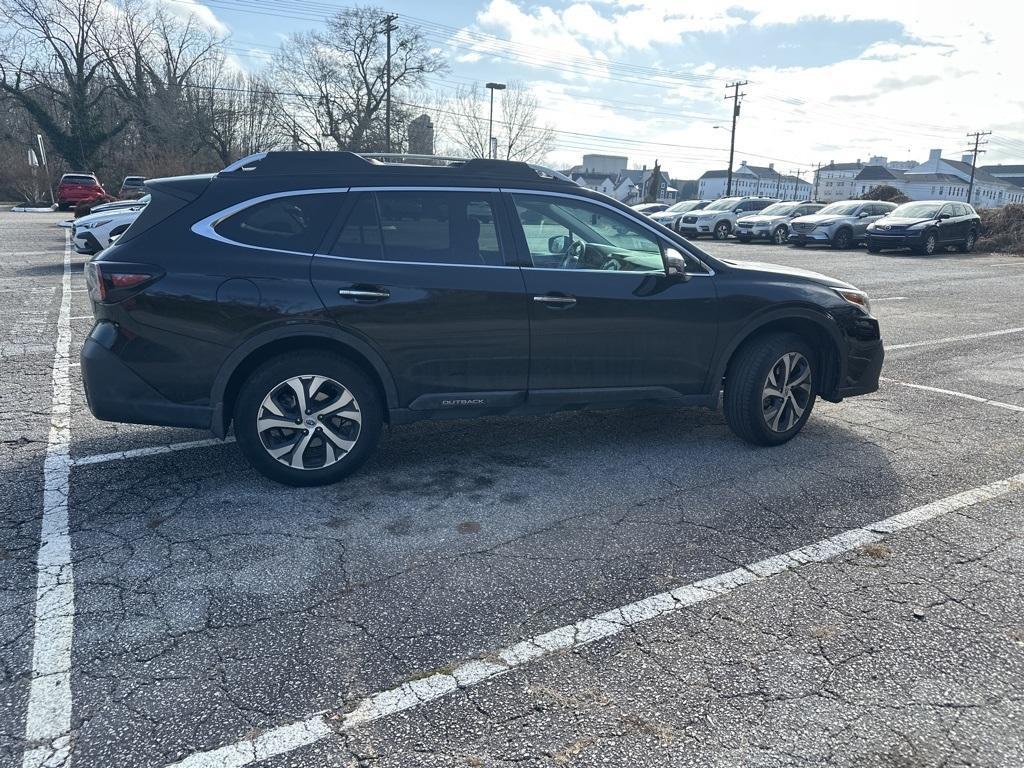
(183, 9)
(949, 72)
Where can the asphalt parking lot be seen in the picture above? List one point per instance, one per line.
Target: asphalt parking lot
(620, 588)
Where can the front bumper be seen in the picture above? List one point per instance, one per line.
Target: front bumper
(116, 393)
(820, 236)
(86, 242)
(754, 233)
(695, 230)
(898, 240)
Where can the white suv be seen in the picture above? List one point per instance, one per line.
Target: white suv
(773, 222)
(719, 219)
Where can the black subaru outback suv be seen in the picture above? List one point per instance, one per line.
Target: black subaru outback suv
(311, 298)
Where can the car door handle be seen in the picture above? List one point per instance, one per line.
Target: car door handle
(556, 301)
(373, 294)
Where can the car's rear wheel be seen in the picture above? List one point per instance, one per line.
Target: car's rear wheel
(770, 389)
(842, 239)
(722, 230)
(929, 245)
(780, 235)
(968, 244)
(308, 418)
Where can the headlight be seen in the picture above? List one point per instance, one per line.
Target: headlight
(824, 224)
(919, 225)
(94, 224)
(857, 298)
(705, 218)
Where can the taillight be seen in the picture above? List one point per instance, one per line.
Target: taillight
(111, 282)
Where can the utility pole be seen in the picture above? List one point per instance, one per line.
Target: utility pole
(977, 136)
(736, 96)
(817, 173)
(798, 174)
(389, 27)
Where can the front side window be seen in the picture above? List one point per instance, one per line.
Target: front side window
(287, 223)
(840, 209)
(423, 227)
(562, 233)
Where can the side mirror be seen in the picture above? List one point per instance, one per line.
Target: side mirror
(737, 210)
(558, 244)
(863, 215)
(942, 216)
(675, 265)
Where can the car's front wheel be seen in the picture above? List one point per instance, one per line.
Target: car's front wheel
(722, 230)
(308, 418)
(770, 389)
(780, 235)
(929, 245)
(968, 244)
(842, 239)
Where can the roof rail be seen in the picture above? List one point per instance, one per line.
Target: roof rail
(284, 163)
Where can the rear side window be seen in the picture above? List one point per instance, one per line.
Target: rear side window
(425, 227)
(289, 223)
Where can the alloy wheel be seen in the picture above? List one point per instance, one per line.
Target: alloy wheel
(779, 236)
(929, 244)
(309, 422)
(787, 392)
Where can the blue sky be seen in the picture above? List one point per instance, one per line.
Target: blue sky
(646, 78)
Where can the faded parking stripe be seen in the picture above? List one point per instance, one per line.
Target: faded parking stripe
(48, 721)
(287, 738)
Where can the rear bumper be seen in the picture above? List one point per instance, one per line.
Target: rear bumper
(116, 393)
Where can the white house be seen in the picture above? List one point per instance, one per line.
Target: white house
(940, 178)
(753, 180)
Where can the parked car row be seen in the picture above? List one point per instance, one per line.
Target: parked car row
(91, 234)
(924, 227)
(75, 189)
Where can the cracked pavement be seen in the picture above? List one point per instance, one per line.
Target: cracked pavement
(212, 604)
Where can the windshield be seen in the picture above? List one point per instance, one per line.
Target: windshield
(917, 210)
(723, 204)
(840, 209)
(777, 209)
(683, 206)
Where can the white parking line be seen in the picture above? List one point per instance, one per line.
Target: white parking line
(48, 721)
(82, 317)
(890, 298)
(951, 339)
(101, 458)
(1017, 263)
(287, 738)
(964, 395)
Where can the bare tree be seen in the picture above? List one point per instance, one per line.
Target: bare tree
(235, 114)
(52, 64)
(519, 136)
(154, 61)
(335, 82)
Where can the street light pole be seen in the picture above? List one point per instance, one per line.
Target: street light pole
(492, 145)
(389, 27)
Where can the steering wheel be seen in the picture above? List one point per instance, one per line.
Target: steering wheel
(573, 254)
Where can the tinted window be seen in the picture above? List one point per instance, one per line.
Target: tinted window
(574, 234)
(69, 179)
(439, 227)
(289, 223)
(360, 237)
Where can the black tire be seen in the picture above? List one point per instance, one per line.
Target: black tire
(269, 378)
(799, 244)
(743, 239)
(873, 248)
(842, 240)
(745, 384)
(968, 244)
(780, 235)
(722, 230)
(929, 245)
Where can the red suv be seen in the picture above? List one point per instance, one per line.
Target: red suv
(75, 188)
